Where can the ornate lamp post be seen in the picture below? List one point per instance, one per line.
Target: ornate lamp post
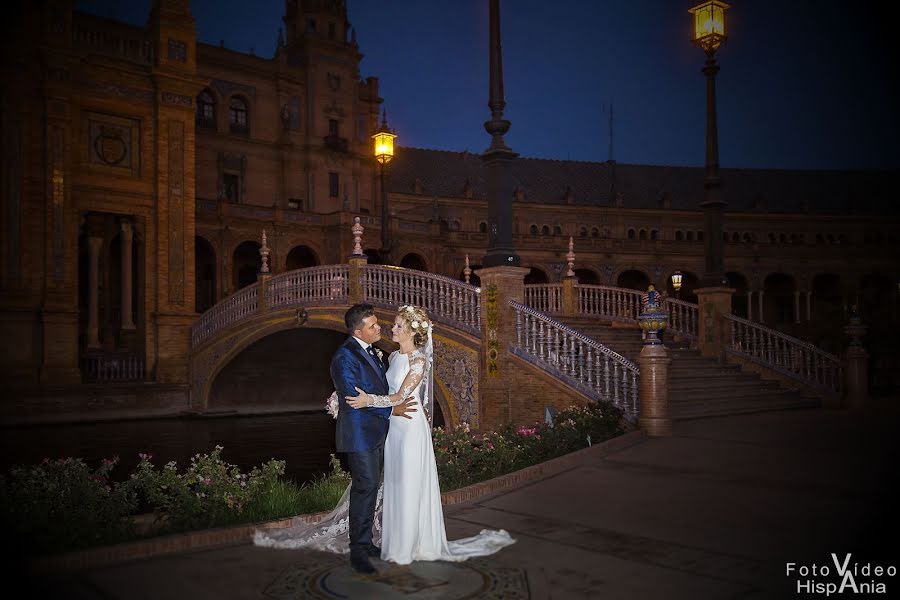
(709, 34)
(676, 283)
(384, 152)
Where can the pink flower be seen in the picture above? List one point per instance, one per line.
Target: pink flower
(145, 455)
(98, 478)
(526, 431)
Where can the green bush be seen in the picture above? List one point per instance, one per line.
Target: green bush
(463, 459)
(210, 492)
(63, 504)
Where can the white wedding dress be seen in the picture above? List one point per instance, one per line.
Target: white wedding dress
(409, 518)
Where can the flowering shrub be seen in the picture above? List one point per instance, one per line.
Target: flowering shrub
(210, 492)
(64, 505)
(463, 459)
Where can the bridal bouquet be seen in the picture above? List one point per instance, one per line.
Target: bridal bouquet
(332, 406)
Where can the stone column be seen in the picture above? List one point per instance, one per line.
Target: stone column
(127, 237)
(94, 246)
(856, 370)
(654, 361)
(808, 306)
(714, 304)
(498, 331)
(796, 306)
(749, 305)
(762, 312)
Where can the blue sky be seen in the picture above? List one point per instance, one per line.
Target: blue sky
(803, 84)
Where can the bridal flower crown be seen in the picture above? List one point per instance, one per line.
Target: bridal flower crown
(415, 321)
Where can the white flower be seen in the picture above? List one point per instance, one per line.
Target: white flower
(331, 405)
(414, 324)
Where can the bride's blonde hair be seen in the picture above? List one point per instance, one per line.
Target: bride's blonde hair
(416, 319)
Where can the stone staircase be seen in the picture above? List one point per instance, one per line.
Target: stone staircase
(698, 386)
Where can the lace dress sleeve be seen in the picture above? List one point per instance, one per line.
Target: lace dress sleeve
(412, 379)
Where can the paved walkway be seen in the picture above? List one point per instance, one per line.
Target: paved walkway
(713, 512)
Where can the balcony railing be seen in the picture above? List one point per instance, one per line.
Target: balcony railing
(107, 367)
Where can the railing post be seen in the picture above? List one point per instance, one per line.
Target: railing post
(570, 296)
(262, 294)
(856, 371)
(357, 261)
(654, 361)
(714, 303)
(499, 285)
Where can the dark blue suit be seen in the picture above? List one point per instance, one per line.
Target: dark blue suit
(360, 433)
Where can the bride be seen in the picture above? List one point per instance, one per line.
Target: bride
(409, 515)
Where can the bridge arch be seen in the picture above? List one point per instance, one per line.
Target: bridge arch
(456, 356)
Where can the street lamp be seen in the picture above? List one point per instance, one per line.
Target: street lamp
(709, 33)
(384, 152)
(676, 282)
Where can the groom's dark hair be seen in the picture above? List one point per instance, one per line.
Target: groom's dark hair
(354, 316)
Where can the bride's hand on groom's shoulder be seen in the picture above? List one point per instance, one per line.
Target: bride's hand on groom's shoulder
(404, 409)
(361, 400)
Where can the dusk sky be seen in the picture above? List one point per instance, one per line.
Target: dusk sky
(803, 84)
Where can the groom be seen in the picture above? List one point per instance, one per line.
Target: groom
(361, 433)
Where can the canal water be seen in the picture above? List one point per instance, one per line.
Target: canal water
(304, 440)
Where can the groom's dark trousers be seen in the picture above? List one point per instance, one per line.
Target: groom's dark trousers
(360, 433)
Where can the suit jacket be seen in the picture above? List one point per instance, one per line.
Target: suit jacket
(358, 429)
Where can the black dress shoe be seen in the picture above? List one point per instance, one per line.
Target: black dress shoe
(362, 565)
(374, 551)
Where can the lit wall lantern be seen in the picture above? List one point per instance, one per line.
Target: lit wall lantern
(384, 142)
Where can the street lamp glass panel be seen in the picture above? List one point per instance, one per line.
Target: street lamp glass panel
(709, 24)
(384, 145)
(676, 280)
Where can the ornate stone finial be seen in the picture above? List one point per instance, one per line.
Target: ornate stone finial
(264, 253)
(570, 258)
(653, 319)
(357, 230)
(467, 272)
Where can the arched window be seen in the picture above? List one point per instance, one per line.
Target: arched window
(238, 117)
(557, 230)
(642, 234)
(454, 225)
(533, 230)
(679, 236)
(735, 237)
(782, 238)
(771, 238)
(699, 236)
(690, 236)
(582, 232)
(820, 239)
(654, 234)
(206, 110)
(631, 234)
(595, 232)
(482, 227)
(748, 237)
(545, 230)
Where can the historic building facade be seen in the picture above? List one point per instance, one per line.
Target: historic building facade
(140, 168)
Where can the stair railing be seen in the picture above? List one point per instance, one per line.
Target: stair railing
(581, 362)
(784, 354)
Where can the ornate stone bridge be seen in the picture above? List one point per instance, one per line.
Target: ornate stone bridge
(503, 352)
